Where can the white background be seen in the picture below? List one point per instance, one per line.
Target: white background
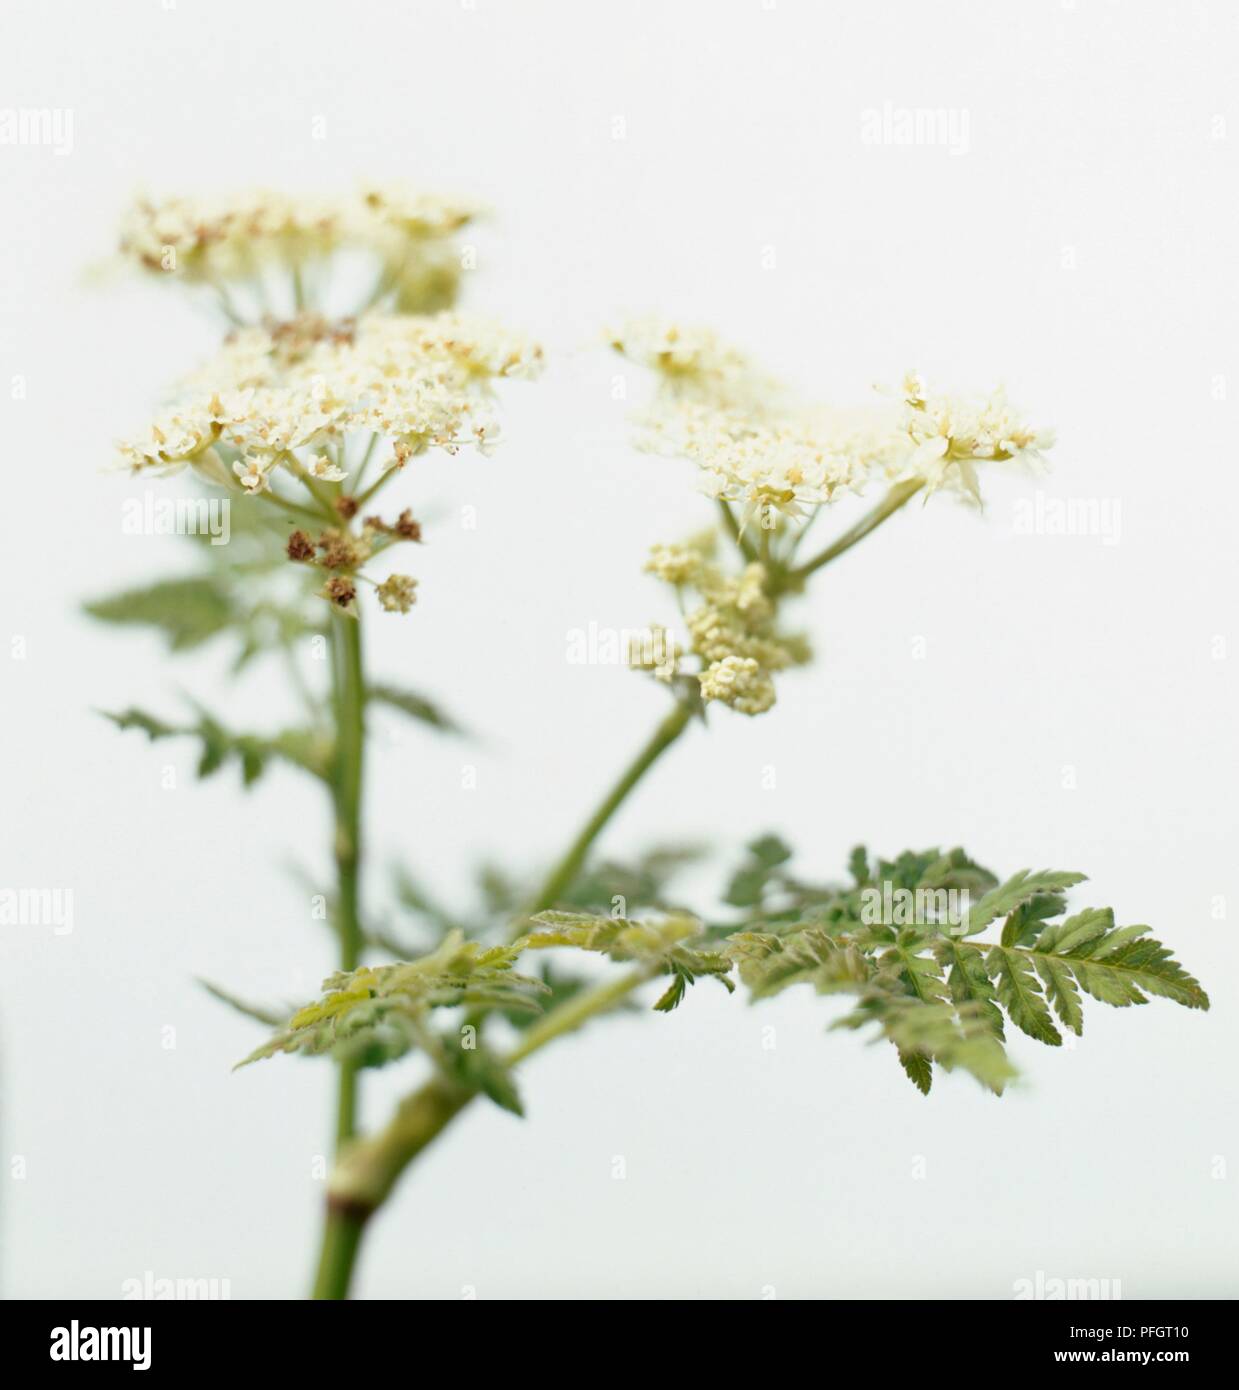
(1082, 249)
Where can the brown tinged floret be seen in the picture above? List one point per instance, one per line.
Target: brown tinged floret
(342, 551)
(340, 591)
(347, 507)
(404, 527)
(301, 547)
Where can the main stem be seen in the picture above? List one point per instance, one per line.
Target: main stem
(350, 693)
(349, 703)
(369, 1168)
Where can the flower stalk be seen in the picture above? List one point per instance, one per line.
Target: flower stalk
(899, 494)
(347, 782)
(559, 880)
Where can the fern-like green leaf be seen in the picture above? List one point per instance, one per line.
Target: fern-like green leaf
(1014, 893)
(416, 706)
(304, 748)
(666, 946)
(1020, 994)
(385, 1006)
(919, 1067)
(968, 981)
(770, 962)
(924, 1034)
(187, 611)
(1060, 990)
(753, 879)
(1116, 965)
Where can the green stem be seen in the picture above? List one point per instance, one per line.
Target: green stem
(561, 876)
(889, 505)
(574, 1012)
(313, 487)
(732, 527)
(346, 793)
(348, 682)
(363, 465)
(347, 780)
(369, 1169)
(381, 481)
(342, 1235)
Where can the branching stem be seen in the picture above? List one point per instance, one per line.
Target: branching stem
(370, 1167)
(889, 505)
(367, 1169)
(562, 875)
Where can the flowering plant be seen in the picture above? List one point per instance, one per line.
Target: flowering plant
(312, 414)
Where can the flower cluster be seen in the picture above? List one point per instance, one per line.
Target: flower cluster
(397, 593)
(693, 363)
(946, 436)
(772, 457)
(289, 395)
(767, 465)
(343, 553)
(228, 239)
(732, 629)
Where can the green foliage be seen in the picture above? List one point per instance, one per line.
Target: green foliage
(941, 997)
(415, 706)
(768, 963)
(1018, 892)
(757, 876)
(1020, 995)
(273, 1018)
(967, 980)
(303, 748)
(379, 1012)
(477, 1067)
(187, 611)
(933, 990)
(667, 946)
(251, 608)
(642, 883)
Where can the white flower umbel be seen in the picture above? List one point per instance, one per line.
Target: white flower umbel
(289, 395)
(771, 456)
(949, 435)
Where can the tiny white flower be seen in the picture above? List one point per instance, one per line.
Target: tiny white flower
(322, 467)
(253, 474)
